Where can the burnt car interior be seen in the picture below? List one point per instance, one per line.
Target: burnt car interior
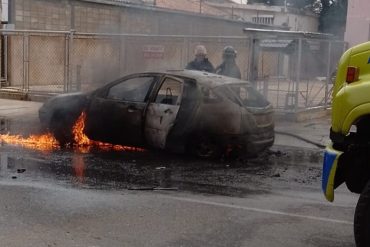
(162, 112)
(169, 92)
(134, 89)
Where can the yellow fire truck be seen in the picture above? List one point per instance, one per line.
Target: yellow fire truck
(347, 158)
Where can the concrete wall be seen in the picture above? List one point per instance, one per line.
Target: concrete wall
(85, 16)
(358, 22)
(42, 15)
(39, 60)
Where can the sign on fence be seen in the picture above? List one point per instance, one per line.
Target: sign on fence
(153, 51)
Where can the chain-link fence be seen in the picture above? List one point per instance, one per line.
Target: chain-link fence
(293, 73)
(300, 76)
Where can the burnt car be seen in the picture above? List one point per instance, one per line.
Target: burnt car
(180, 111)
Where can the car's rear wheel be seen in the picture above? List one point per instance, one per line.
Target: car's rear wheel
(362, 218)
(203, 147)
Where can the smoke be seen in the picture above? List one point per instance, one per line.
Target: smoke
(96, 58)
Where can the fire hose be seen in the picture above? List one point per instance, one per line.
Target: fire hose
(319, 145)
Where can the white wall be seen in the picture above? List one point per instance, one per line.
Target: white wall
(240, 1)
(358, 22)
(306, 23)
(4, 11)
(295, 22)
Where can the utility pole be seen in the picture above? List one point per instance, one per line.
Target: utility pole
(200, 6)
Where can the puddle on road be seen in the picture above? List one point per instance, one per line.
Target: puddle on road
(152, 170)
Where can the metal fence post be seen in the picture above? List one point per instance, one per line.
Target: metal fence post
(254, 59)
(185, 52)
(78, 77)
(328, 74)
(70, 61)
(246, 71)
(26, 40)
(66, 63)
(6, 40)
(298, 78)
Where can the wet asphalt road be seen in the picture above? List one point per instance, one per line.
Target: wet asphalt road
(69, 198)
(66, 198)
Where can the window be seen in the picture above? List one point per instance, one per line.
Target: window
(264, 19)
(133, 89)
(170, 92)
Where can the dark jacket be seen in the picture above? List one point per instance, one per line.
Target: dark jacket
(229, 68)
(204, 65)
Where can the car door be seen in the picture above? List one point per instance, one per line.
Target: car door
(162, 112)
(117, 115)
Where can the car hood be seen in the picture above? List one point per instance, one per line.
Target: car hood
(65, 102)
(63, 99)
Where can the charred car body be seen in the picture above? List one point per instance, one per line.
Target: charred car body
(179, 111)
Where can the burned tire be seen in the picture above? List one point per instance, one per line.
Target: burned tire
(203, 147)
(61, 129)
(362, 218)
(355, 175)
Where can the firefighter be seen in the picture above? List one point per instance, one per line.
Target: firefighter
(201, 61)
(228, 66)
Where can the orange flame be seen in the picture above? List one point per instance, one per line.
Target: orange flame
(83, 143)
(47, 142)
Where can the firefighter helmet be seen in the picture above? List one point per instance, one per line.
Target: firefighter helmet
(200, 50)
(229, 51)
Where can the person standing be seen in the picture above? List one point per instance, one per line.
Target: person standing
(201, 61)
(229, 66)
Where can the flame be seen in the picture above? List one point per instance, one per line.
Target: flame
(46, 142)
(82, 143)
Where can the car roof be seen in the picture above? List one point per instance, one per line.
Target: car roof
(204, 78)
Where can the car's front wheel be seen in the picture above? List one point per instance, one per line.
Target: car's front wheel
(61, 128)
(362, 218)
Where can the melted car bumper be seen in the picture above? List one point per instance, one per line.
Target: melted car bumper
(249, 144)
(261, 139)
(330, 165)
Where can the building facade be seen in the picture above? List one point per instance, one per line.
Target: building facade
(114, 16)
(291, 18)
(358, 22)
